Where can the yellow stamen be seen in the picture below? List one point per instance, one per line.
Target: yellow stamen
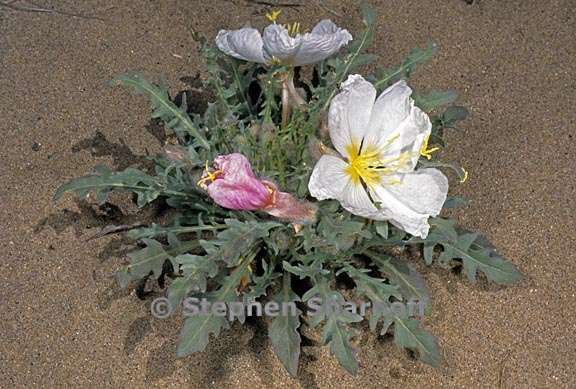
(465, 178)
(273, 16)
(425, 151)
(293, 29)
(275, 61)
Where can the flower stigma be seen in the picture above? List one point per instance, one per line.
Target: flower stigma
(465, 178)
(208, 176)
(273, 15)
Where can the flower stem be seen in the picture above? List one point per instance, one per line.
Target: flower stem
(285, 102)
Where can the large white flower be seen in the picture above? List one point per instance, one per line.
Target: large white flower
(380, 141)
(282, 45)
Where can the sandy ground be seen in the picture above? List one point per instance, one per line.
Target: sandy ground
(65, 323)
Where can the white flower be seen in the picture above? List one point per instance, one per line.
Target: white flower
(285, 46)
(380, 141)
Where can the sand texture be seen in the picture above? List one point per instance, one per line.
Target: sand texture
(65, 323)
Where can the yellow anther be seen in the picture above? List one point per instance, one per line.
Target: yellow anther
(463, 180)
(273, 16)
(425, 151)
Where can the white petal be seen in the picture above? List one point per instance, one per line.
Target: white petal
(324, 41)
(409, 204)
(413, 130)
(245, 43)
(397, 126)
(278, 44)
(329, 180)
(350, 112)
(390, 110)
(325, 26)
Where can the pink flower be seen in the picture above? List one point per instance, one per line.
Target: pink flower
(233, 185)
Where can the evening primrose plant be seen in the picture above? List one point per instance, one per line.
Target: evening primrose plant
(290, 189)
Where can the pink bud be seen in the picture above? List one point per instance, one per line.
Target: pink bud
(233, 185)
(286, 206)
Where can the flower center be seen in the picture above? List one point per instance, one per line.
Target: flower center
(364, 166)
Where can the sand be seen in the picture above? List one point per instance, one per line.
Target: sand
(65, 323)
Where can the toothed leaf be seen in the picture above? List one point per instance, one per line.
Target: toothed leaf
(410, 335)
(195, 333)
(195, 271)
(175, 117)
(410, 283)
(230, 244)
(104, 181)
(386, 77)
(476, 253)
(427, 102)
(336, 333)
(283, 330)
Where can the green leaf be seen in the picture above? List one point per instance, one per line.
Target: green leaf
(195, 271)
(434, 99)
(410, 283)
(337, 335)
(382, 228)
(408, 334)
(151, 260)
(230, 244)
(476, 253)
(377, 290)
(175, 117)
(147, 260)
(341, 233)
(263, 282)
(156, 230)
(123, 278)
(104, 181)
(455, 202)
(385, 77)
(448, 119)
(305, 271)
(454, 114)
(195, 333)
(336, 332)
(283, 331)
